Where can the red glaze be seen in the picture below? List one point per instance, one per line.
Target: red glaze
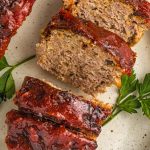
(28, 133)
(142, 8)
(39, 98)
(107, 40)
(12, 14)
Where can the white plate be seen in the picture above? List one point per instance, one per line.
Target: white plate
(126, 132)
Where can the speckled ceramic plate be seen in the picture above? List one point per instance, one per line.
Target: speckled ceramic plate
(126, 132)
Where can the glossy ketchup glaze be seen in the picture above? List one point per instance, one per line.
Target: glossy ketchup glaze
(142, 8)
(28, 133)
(107, 40)
(39, 98)
(12, 14)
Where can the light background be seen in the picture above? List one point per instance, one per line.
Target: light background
(126, 132)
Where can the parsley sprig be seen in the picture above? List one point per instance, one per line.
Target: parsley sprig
(7, 84)
(133, 96)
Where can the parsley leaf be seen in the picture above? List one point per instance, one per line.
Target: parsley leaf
(7, 86)
(3, 81)
(130, 104)
(126, 101)
(144, 88)
(10, 87)
(128, 85)
(144, 95)
(3, 63)
(146, 107)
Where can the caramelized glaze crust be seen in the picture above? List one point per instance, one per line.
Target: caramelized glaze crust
(142, 8)
(107, 40)
(39, 98)
(28, 133)
(12, 14)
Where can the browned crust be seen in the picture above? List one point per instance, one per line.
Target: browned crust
(37, 97)
(26, 132)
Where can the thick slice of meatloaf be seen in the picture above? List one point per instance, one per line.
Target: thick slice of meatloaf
(127, 18)
(12, 14)
(29, 133)
(83, 54)
(41, 99)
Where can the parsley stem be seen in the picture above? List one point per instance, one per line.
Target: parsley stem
(145, 95)
(111, 117)
(24, 61)
(114, 107)
(118, 99)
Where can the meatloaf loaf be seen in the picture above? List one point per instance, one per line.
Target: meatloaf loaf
(41, 99)
(12, 14)
(127, 18)
(26, 132)
(81, 53)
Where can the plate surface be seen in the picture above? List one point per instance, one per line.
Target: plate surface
(126, 132)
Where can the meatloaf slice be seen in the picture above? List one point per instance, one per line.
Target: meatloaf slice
(29, 133)
(127, 18)
(83, 54)
(41, 99)
(12, 14)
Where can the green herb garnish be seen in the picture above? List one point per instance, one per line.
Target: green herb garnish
(132, 96)
(144, 95)
(7, 84)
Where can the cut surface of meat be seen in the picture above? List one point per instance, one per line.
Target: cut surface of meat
(28, 133)
(127, 18)
(79, 52)
(12, 14)
(106, 40)
(39, 98)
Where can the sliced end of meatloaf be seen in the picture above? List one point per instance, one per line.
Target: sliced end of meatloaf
(26, 132)
(75, 59)
(78, 52)
(46, 101)
(114, 15)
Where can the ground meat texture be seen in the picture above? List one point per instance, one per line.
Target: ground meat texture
(76, 60)
(39, 98)
(118, 16)
(83, 54)
(12, 14)
(28, 133)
